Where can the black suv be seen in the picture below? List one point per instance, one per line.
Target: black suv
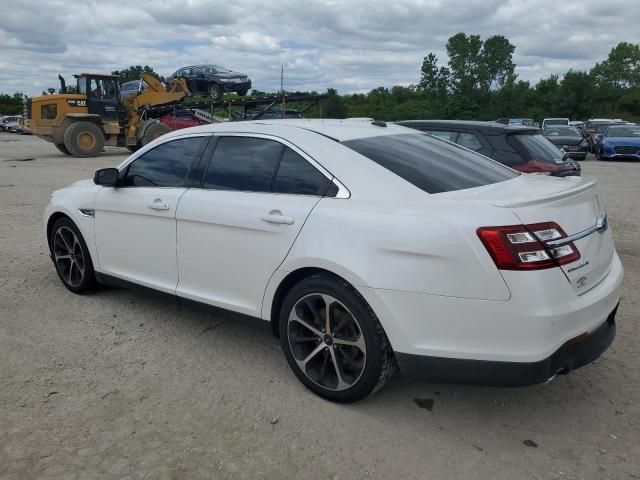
(522, 148)
(213, 80)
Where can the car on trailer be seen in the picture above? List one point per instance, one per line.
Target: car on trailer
(213, 80)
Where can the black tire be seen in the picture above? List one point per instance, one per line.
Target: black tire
(84, 139)
(62, 148)
(133, 148)
(376, 365)
(77, 273)
(242, 92)
(215, 92)
(154, 131)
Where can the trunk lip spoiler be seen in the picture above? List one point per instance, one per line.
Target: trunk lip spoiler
(584, 185)
(601, 225)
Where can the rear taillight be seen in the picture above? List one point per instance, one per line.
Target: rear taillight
(537, 166)
(523, 247)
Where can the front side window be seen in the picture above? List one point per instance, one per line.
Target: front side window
(243, 163)
(166, 165)
(429, 164)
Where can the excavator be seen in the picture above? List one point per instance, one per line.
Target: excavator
(81, 124)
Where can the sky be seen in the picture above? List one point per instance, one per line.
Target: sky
(350, 45)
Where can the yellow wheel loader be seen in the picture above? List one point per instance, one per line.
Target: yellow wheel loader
(81, 124)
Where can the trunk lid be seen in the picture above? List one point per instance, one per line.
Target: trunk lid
(573, 204)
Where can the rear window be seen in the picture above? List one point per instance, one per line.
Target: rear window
(535, 147)
(431, 164)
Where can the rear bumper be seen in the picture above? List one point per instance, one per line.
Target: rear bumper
(572, 355)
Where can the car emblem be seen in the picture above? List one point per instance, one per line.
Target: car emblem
(581, 282)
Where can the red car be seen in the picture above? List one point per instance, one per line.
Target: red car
(181, 119)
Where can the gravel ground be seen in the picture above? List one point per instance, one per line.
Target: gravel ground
(124, 385)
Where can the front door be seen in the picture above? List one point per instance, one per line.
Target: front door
(236, 230)
(135, 223)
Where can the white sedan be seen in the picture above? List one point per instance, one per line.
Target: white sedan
(367, 246)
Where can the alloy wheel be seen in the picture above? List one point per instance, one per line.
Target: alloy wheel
(68, 256)
(326, 341)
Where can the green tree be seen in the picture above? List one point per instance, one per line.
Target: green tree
(11, 104)
(496, 62)
(465, 62)
(334, 106)
(134, 72)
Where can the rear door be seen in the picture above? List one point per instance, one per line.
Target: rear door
(236, 230)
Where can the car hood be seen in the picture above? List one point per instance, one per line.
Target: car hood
(560, 140)
(613, 141)
(87, 182)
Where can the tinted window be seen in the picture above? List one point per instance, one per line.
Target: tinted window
(430, 164)
(451, 136)
(469, 140)
(535, 147)
(166, 165)
(297, 176)
(508, 158)
(243, 163)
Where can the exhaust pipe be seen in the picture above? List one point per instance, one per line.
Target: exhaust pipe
(63, 85)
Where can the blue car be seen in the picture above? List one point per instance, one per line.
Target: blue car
(620, 142)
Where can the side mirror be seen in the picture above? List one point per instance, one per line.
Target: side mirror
(107, 177)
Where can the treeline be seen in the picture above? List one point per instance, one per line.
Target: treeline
(479, 82)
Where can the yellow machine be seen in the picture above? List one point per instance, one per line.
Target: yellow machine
(81, 124)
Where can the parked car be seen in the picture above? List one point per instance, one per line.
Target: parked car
(213, 80)
(365, 246)
(529, 122)
(569, 140)
(547, 122)
(131, 88)
(621, 141)
(11, 123)
(521, 148)
(577, 124)
(183, 118)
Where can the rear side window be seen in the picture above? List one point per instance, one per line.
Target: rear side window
(243, 163)
(535, 147)
(298, 177)
(470, 141)
(430, 164)
(166, 165)
(451, 136)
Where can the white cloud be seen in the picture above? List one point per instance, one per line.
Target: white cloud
(351, 45)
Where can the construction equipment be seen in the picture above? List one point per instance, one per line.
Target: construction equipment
(81, 124)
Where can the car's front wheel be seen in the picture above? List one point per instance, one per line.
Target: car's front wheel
(71, 257)
(333, 341)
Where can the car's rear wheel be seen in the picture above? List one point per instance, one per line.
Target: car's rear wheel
(242, 92)
(215, 92)
(333, 341)
(71, 257)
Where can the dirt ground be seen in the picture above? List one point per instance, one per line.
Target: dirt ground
(129, 386)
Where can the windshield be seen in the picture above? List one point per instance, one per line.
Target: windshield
(214, 69)
(561, 132)
(601, 127)
(535, 147)
(556, 121)
(431, 164)
(624, 132)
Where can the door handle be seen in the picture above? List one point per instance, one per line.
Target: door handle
(158, 204)
(275, 216)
